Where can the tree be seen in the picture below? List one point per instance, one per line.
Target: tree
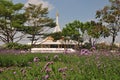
(110, 16)
(95, 30)
(77, 30)
(56, 35)
(11, 20)
(37, 21)
(74, 31)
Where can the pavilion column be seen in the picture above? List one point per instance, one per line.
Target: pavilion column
(58, 46)
(41, 45)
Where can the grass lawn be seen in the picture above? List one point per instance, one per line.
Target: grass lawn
(97, 66)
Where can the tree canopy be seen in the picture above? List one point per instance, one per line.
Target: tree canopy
(74, 31)
(11, 20)
(110, 16)
(95, 30)
(37, 21)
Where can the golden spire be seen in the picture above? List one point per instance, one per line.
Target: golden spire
(57, 14)
(57, 28)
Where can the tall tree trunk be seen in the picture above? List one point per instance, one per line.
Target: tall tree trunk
(8, 39)
(113, 41)
(90, 41)
(32, 41)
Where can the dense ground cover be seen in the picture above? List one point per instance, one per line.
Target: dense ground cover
(97, 66)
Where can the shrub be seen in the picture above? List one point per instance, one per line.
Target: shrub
(106, 47)
(87, 46)
(16, 46)
(103, 46)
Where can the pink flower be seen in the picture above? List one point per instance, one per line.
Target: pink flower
(48, 70)
(46, 77)
(14, 72)
(36, 59)
(62, 69)
(47, 64)
(84, 52)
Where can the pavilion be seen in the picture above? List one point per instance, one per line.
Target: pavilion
(55, 46)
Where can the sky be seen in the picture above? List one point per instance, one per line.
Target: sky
(70, 10)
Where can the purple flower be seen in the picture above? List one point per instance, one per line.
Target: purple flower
(62, 69)
(48, 70)
(14, 72)
(46, 65)
(46, 77)
(49, 63)
(84, 52)
(36, 59)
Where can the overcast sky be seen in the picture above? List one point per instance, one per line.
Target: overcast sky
(70, 10)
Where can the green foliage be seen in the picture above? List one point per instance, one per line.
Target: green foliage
(14, 20)
(11, 19)
(109, 15)
(16, 46)
(17, 6)
(37, 21)
(102, 46)
(96, 30)
(13, 60)
(74, 30)
(71, 29)
(86, 45)
(56, 36)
